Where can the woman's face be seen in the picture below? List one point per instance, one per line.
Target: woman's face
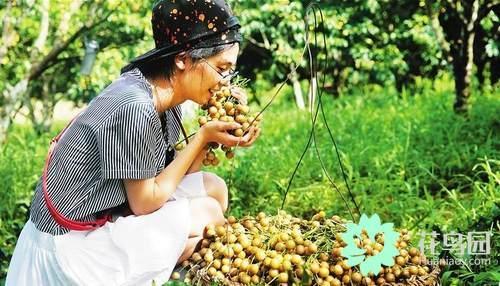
(208, 74)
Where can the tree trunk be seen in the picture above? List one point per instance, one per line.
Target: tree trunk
(297, 91)
(312, 93)
(463, 67)
(12, 96)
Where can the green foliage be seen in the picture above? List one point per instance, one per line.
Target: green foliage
(368, 41)
(21, 162)
(49, 59)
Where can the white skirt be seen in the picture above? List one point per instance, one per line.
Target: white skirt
(133, 250)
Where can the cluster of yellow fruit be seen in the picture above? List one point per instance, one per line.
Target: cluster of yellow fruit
(224, 107)
(285, 249)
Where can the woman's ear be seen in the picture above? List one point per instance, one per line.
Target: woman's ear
(181, 61)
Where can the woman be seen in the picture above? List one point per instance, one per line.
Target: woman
(117, 154)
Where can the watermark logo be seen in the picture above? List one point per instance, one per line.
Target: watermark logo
(474, 246)
(356, 255)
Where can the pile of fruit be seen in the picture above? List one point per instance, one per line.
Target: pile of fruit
(282, 249)
(225, 107)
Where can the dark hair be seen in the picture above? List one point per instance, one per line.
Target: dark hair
(165, 66)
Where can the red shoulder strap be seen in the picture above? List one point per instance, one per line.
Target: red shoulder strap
(58, 217)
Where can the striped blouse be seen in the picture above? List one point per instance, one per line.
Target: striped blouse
(120, 135)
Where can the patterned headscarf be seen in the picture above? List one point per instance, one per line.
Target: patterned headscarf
(179, 25)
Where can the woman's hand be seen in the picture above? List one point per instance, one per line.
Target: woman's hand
(240, 94)
(250, 137)
(218, 131)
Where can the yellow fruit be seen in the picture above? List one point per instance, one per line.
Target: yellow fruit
(413, 251)
(273, 273)
(389, 277)
(244, 109)
(338, 270)
(280, 246)
(225, 268)
(209, 257)
(244, 265)
(296, 259)
(240, 118)
(323, 256)
(286, 265)
(312, 248)
(346, 279)
(228, 252)
(245, 126)
(356, 277)
(257, 242)
(283, 277)
(175, 276)
(231, 219)
(217, 264)
(413, 270)
(196, 257)
(212, 110)
(400, 261)
(300, 249)
(253, 268)
(202, 120)
(228, 105)
(212, 271)
(237, 247)
(238, 132)
(275, 263)
(245, 279)
(315, 268)
(237, 262)
(260, 255)
(255, 279)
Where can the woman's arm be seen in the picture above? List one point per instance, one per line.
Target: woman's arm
(147, 195)
(198, 162)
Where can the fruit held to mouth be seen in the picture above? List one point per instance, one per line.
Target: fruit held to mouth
(225, 107)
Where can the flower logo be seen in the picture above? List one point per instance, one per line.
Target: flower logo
(356, 255)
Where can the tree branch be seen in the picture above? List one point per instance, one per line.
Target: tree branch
(6, 31)
(44, 28)
(38, 68)
(438, 30)
(473, 17)
(266, 41)
(255, 43)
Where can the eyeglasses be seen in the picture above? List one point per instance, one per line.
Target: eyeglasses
(230, 75)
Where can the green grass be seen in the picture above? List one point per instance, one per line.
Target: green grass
(407, 157)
